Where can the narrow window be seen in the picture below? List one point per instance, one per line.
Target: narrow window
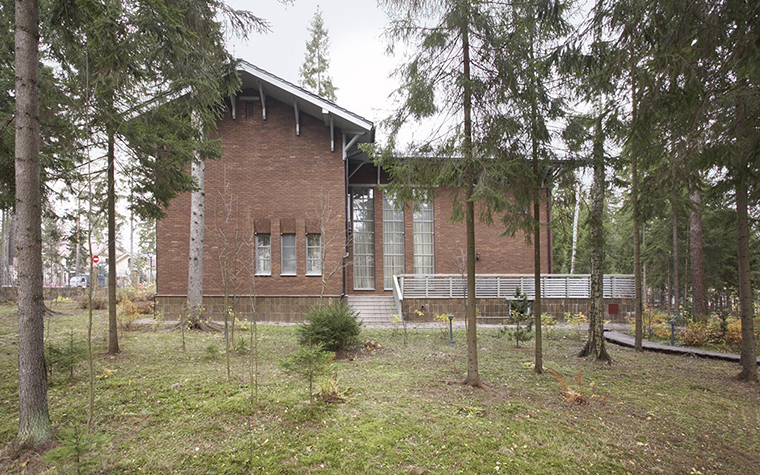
(424, 262)
(313, 254)
(288, 247)
(363, 208)
(393, 241)
(249, 111)
(263, 254)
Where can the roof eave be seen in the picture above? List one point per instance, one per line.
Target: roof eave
(356, 122)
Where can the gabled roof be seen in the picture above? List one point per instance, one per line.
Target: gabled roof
(307, 102)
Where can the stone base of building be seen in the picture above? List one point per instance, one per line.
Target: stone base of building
(494, 311)
(286, 309)
(291, 309)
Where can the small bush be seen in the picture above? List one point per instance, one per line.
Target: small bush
(63, 358)
(140, 299)
(99, 300)
(520, 318)
(310, 362)
(548, 322)
(660, 331)
(212, 351)
(335, 327)
(79, 447)
(443, 320)
(241, 346)
(719, 330)
(126, 314)
(695, 334)
(576, 321)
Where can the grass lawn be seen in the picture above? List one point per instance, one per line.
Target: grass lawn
(159, 409)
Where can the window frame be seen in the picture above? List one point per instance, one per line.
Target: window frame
(292, 262)
(392, 214)
(424, 226)
(311, 260)
(260, 257)
(363, 236)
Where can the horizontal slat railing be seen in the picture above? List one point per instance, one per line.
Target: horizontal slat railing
(503, 286)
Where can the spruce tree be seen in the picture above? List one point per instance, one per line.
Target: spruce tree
(449, 78)
(314, 72)
(34, 429)
(526, 43)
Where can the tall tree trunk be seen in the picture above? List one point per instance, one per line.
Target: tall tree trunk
(669, 287)
(473, 376)
(197, 228)
(538, 368)
(3, 251)
(4, 260)
(746, 307)
(34, 428)
(113, 334)
(132, 276)
(11, 248)
(78, 257)
(644, 289)
(637, 307)
(676, 291)
(639, 331)
(576, 216)
(698, 285)
(595, 344)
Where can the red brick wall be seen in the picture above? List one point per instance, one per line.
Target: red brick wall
(266, 172)
(498, 254)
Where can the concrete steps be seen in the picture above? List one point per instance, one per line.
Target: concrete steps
(374, 310)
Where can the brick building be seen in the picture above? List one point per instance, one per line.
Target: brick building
(295, 212)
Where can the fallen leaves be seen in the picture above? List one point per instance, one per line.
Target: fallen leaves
(571, 395)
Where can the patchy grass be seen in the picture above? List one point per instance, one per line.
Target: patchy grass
(161, 410)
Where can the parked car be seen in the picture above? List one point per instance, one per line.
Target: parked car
(79, 280)
(83, 280)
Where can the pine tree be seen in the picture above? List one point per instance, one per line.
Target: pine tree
(316, 62)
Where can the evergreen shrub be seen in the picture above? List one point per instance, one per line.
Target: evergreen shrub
(336, 327)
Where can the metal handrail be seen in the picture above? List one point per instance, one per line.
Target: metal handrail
(398, 296)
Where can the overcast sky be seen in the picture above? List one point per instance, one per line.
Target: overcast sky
(358, 64)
